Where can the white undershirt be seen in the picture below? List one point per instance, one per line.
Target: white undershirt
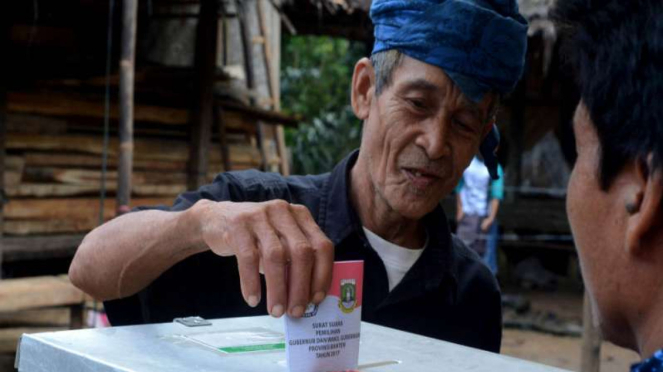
(397, 260)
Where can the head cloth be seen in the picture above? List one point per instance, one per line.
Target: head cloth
(479, 44)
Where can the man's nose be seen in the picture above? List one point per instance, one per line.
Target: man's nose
(434, 139)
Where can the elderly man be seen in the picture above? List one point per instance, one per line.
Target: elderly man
(615, 200)
(426, 98)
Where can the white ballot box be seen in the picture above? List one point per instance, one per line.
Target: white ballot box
(239, 344)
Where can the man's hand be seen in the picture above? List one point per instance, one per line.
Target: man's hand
(459, 209)
(486, 224)
(277, 238)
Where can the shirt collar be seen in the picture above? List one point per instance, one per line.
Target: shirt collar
(337, 217)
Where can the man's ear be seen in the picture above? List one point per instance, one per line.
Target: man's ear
(363, 88)
(645, 207)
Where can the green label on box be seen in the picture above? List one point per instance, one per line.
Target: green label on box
(253, 348)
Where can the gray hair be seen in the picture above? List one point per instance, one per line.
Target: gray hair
(384, 64)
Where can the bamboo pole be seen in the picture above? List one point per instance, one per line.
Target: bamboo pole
(591, 340)
(3, 130)
(127, 69)
(202, 111)
(4, 42)
(272, 54)
(243, 11)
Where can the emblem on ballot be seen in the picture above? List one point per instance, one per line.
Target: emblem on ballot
(348, 295)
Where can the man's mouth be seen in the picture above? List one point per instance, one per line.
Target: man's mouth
(420, 178)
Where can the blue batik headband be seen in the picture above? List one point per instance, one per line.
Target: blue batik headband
(479, 44)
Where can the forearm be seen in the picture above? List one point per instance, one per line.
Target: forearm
(494, 208)
(124, 255)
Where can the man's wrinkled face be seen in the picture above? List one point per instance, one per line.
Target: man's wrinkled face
(419, 136)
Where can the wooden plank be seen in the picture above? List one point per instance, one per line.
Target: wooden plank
(9, 336)
(202, 111)
(32, 124)
(145, 149)
(37, 35)
(69, 208)
(93, 177)
(65, 105)
(42, 190)
(40, 159)
(37, 292)
(40, 247)
(58, 317)
(65, 226)
(591, 339)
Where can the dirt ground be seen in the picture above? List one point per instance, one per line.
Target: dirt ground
(561, 351)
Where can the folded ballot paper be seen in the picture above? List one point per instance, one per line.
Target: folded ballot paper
(326, 337)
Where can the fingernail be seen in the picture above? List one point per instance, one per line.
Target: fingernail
(253, 301)
(297, 311)
(318, 297)
(277, 311)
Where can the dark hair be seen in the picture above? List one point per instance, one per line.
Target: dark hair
(616, 50)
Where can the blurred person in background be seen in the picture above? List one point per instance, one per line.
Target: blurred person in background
(478, 198)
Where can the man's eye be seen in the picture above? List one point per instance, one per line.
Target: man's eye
(462, 124)
(418, 104)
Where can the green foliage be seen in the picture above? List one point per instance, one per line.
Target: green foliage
(315, 83)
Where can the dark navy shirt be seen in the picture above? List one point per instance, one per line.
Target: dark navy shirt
(653, 364)
(448, 294)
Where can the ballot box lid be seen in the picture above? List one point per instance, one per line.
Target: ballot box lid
(171, 347)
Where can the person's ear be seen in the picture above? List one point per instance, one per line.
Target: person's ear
(363, 88)
(644, 207)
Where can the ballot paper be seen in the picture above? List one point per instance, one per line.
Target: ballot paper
(326, 337)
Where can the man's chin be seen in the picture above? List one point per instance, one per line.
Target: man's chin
(414, 209)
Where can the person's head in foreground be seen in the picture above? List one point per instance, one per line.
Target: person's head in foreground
(616, 188)
(428, 96)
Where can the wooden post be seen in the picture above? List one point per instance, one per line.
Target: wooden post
(126, 132)
(517, 133)
(3, 130)
(243, 11)
(76, 316)
(223, 141)
(202, 109)
(591, 340)
(4, 45)
(272, 65)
